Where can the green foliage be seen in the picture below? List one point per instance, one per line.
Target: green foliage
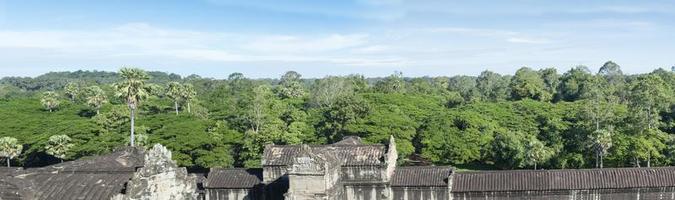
(96, 97)
(50, 100)
(72, 90)
(290, 86)
(9, 148)
(534, 119)
(575, 83)
(391, 84)
(58, 146)
(528, 84)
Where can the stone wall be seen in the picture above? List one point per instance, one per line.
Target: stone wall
(234, 194)
(667, 193)
(416, 193)
(160, 179)
(367, 192)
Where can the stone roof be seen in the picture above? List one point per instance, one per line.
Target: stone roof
(349, 150)
(98, 177)
(423, 176)
(76, 185)
(122, 160)
(568, 179)
(235, 178)
(10, 189)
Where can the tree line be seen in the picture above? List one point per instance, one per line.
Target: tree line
(531, 119)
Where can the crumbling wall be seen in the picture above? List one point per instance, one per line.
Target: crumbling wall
(160, 179)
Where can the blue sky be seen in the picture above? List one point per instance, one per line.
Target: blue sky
(265, 38)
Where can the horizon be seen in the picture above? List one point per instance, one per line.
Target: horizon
(263, 38)
(592, 71)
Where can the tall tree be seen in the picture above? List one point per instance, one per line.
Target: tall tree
(613, 77)
(464, 85)
(326, 91)
(649, 96)
(527, 83)
(9, 148)
(133, 89)
(188, 94)
(290, 84)
(508, 150)
(391, 84)
(600, 142)
(260, 107)
(72, 90)
(58, 146)
(551, 79)
(599, 103)
(96, 97)
(50, 100)
(575, 83)
(536, 152)
(491, 86)
(175, 91)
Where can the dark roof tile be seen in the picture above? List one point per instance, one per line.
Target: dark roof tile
(424, 176)
(233, 178)
(569, 179)
(350, 155)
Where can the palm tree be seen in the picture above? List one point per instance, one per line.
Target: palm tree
(536, 152)
(188, 94)
(175, 92)
(58, 145)
(71, 90)
(600, 142)
(50, 100)
(96, 98)
(133, 89)
(9, 148)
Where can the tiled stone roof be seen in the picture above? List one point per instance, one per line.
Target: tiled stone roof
(238, 178)
(76, 185)
(99, 177)
(349, 151)
(122, 160)
(426, 176)
(569, 179)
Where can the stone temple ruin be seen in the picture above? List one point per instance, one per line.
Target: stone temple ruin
(347, 170)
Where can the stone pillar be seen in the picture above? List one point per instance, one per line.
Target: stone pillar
(160, 179)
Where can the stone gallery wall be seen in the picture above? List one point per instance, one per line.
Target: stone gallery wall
(665, 193)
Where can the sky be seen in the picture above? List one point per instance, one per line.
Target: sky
(265, 38)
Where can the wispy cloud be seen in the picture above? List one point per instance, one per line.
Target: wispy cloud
(139, 39)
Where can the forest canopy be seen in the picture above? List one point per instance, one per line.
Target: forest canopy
(531, 119)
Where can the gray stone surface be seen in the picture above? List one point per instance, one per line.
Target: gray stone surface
(160, 179)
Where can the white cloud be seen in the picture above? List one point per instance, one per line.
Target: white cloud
(525, 40)
(142, 40)
(294, 44)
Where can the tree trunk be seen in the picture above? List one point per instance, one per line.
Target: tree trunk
(188, 104)
(175, 103)
(649, 160)
(61, 160)
(601, 161)
(597, 160)
(133, 112)
(535, 166)
(98, 111)
(7, 161)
